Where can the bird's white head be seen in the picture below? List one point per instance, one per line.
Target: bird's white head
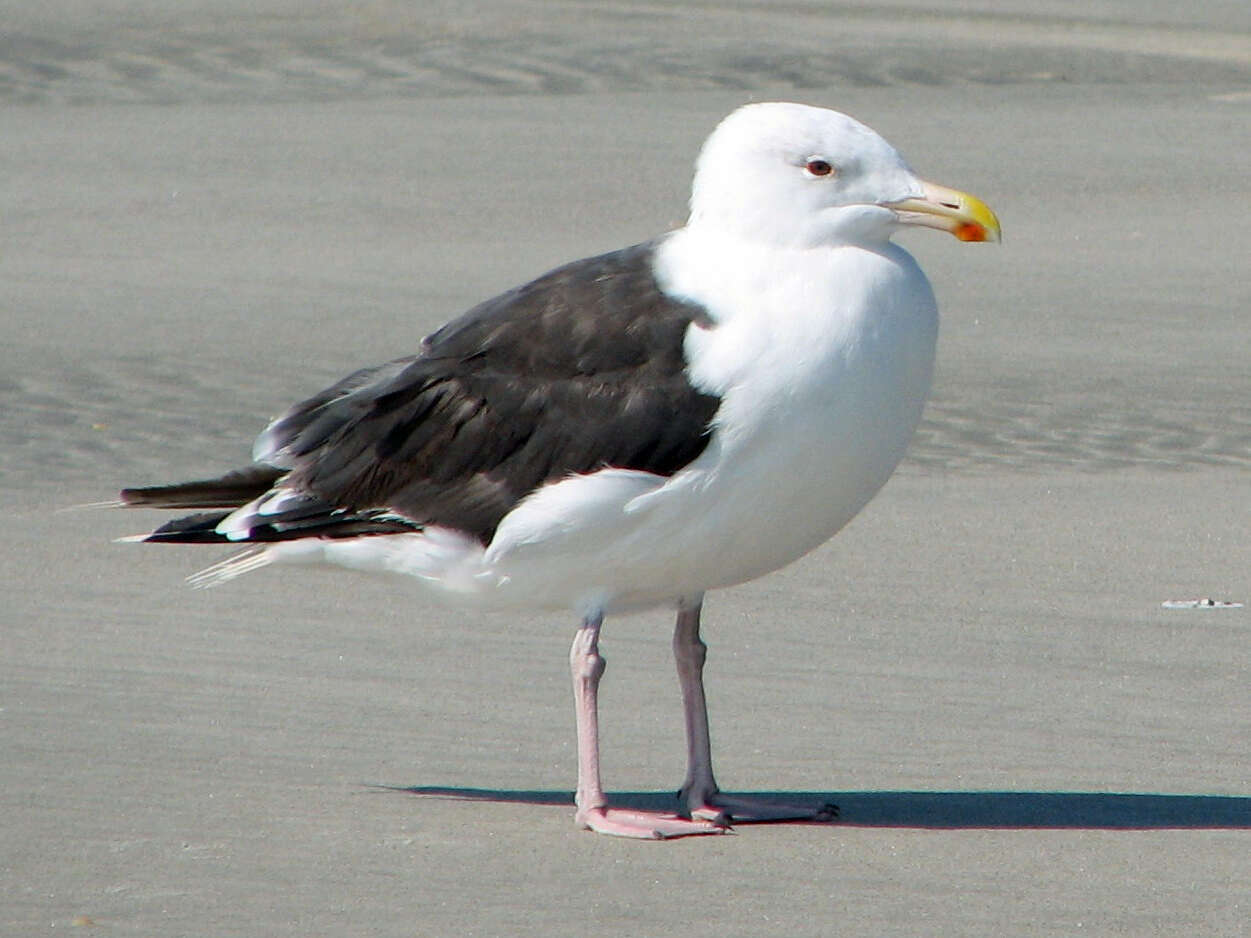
(799, 176)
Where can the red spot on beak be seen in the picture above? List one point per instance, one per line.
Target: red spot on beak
(970, 231)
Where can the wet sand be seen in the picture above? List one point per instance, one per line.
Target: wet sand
(209, 212)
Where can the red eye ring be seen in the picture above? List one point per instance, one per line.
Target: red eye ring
(818, 167)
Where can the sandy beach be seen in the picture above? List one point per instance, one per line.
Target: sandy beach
(210, 211)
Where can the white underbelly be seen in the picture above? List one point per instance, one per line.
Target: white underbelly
(790, 464)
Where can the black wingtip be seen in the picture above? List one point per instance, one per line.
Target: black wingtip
(228, 491)
(193, 529)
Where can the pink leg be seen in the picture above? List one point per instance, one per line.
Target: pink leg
(587, 666)
(689, 653)
(699, 795)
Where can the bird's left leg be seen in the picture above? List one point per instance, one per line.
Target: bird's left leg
(699, 796)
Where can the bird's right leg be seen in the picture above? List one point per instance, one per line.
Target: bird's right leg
(700, 796)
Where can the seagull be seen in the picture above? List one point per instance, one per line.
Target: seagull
(631, 430)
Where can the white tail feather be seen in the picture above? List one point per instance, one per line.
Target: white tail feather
(244, 562)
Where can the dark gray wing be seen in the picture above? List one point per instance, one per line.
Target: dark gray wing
(578, 370)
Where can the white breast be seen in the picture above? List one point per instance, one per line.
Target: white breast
(823, 361)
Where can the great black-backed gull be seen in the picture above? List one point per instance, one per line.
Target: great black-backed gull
(630, 430)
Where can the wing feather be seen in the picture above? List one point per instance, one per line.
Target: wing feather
(576, 371)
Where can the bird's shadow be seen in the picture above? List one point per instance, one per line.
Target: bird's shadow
(941, 810)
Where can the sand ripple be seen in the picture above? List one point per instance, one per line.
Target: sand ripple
(172, 68)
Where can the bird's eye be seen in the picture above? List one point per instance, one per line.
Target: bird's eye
(818, 167)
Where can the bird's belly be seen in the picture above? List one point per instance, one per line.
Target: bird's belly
(618, 540)
(795, 485)
(786, 469)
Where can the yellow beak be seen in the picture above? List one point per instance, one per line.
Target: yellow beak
(963, 215)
